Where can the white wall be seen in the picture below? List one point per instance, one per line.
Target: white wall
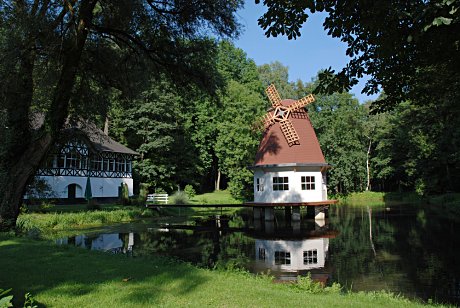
(296, 249)
(100, 187)
(295, 192)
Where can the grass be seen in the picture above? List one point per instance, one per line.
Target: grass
(68, 217)
(64, 276)
(213, 198)
(51, 219)
(216, 197)
(363, 198)
(391, 198)
(373, 198)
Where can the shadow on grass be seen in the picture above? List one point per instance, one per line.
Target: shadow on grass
(63, 274)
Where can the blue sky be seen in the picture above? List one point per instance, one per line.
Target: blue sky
(305, 56)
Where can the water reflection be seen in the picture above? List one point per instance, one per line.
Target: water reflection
(292, 249)
(288, 259)
(113, 243)
(407, 250)
(284, 250)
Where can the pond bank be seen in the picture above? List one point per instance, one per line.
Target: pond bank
(391, 198)
(76, 277)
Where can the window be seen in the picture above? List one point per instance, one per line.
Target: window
(261, 253)
(281, 183)
(260, 184)
(112, 164)
(97, 163)
(72, 160)
(120, 165)
(310, 257)
(282, 258)
(308, 183)
(73, 155)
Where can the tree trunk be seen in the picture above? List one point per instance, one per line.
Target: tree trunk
(217, 186)
(106, 125)
(14, 184)
(24, 156)
(369, 211)
(368, 169)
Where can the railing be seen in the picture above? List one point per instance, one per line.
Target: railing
(157, 198)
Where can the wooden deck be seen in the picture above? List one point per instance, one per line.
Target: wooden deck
(294, 204)
(248, 204)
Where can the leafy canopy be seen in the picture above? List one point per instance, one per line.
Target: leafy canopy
(410, 49)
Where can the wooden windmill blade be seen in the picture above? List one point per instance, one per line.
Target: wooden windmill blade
(273, 95)
(289, 132)
(302, 102)
(268, 120)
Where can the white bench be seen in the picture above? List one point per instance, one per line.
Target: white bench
(157, 198)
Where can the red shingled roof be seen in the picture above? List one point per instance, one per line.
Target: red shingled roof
(274, 150)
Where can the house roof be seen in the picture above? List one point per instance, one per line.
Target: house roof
(274, 149)
(99, 140)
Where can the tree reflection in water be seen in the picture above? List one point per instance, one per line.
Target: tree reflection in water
(406, 250)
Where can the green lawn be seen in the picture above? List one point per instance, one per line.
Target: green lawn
(216, 197)
(58, 218)
(390, 198)
(62, 276)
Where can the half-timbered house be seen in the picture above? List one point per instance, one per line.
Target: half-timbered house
(86, 152)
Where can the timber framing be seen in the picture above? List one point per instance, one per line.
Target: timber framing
(76, 158)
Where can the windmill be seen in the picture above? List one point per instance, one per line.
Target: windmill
(280, 113)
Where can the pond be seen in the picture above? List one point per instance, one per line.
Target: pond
(408, 250)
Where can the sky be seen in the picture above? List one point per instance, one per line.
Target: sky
(312, 51)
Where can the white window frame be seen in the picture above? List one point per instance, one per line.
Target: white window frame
(280, 183)
(260, 184)
(262, 254)
(310, 257)
(308, 182)
(282, 257)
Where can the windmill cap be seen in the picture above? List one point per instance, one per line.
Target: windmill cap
(274, 149)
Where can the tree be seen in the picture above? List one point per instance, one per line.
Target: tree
(223, 130)
(417, 148)
(45, 44)
(153, 125)
(410, 50)
(339, 122)
(278, 74)
(237, 142)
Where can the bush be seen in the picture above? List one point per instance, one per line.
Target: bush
(5, 299)
(306, 284)
(160, 191)
(179, 197)
(45, 206)
(39, 189)
(190, 191)
(143, 192)
(124, 194)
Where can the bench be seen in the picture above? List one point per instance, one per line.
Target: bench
(157, 198)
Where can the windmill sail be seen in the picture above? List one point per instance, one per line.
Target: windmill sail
(289, 132)
(273, 95)
(268, 120)
(302, 103)
(283, 112)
